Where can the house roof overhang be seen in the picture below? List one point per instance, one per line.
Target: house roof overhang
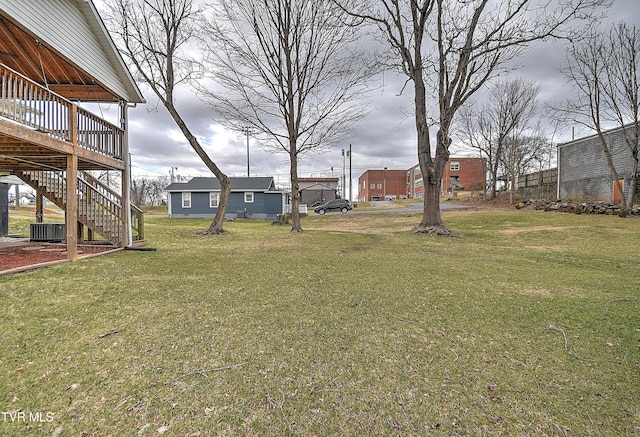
(31, 54)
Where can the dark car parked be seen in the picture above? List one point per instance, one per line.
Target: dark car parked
(342, 205)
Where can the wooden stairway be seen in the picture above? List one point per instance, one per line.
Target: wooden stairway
(99, 207)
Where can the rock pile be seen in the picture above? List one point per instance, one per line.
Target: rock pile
(590, 207)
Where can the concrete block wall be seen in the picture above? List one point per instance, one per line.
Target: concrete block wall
(583, 169)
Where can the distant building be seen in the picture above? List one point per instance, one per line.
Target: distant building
(314, 191)
(250, 197)
(382, 184)
(459, 174)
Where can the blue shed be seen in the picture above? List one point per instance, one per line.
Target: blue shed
(250, 197)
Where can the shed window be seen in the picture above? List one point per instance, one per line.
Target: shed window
(186, 200)
(213, 200)
(248, 197)
(454, 166)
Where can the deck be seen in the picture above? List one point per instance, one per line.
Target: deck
(39, 129)
(50, 143)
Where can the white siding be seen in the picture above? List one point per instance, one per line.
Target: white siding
(84, 40)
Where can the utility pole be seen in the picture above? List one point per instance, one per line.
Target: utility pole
(343, 175)
(384, 184)
(248, 173)
(350, 176)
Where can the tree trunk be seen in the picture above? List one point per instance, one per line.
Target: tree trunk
(494, 181)
(495, 166)
(431, 218)
(631, 197)
(614, 173)
(512, 177)
(295, 191)
(216, 226)
(225, 186)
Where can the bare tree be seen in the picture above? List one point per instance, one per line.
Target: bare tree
(622, 90)
(138, 191)
(110, 179)
(586, 71)
(474, 40)
(156, 36)
(519, 156)
(156, 194)
(491, 128)
(148, 191)
(604, 70)
(289, 70)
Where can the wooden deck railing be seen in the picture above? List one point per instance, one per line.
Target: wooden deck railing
(28, 103)
(99, 207)
(137, 215)
(99, 211)
(137, 223)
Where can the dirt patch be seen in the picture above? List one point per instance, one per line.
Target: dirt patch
(16, 256)
(365, 224)
(515, 231)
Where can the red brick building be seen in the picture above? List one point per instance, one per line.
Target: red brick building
(459, 173)
(382, 184)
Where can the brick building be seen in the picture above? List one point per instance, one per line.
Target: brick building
(459, 174)
(382, 184)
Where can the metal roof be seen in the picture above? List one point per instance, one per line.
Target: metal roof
(262, 184)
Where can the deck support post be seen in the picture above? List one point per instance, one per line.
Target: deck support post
(39, 207)
(71, 210)
(126, 239)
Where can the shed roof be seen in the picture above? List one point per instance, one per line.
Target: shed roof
(318, 186)
(261, 184)
(65, 45)
(318, 179)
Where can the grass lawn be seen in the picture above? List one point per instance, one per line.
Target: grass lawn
(528, 325)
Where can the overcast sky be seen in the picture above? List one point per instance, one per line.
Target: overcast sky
(386, 138)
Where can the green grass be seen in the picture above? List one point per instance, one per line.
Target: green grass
(528, 325)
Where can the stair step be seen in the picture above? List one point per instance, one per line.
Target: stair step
(96, 215)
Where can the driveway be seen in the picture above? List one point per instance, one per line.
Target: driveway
(412, 207)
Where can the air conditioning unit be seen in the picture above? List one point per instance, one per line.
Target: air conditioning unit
(49, 232)
(241, 214)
